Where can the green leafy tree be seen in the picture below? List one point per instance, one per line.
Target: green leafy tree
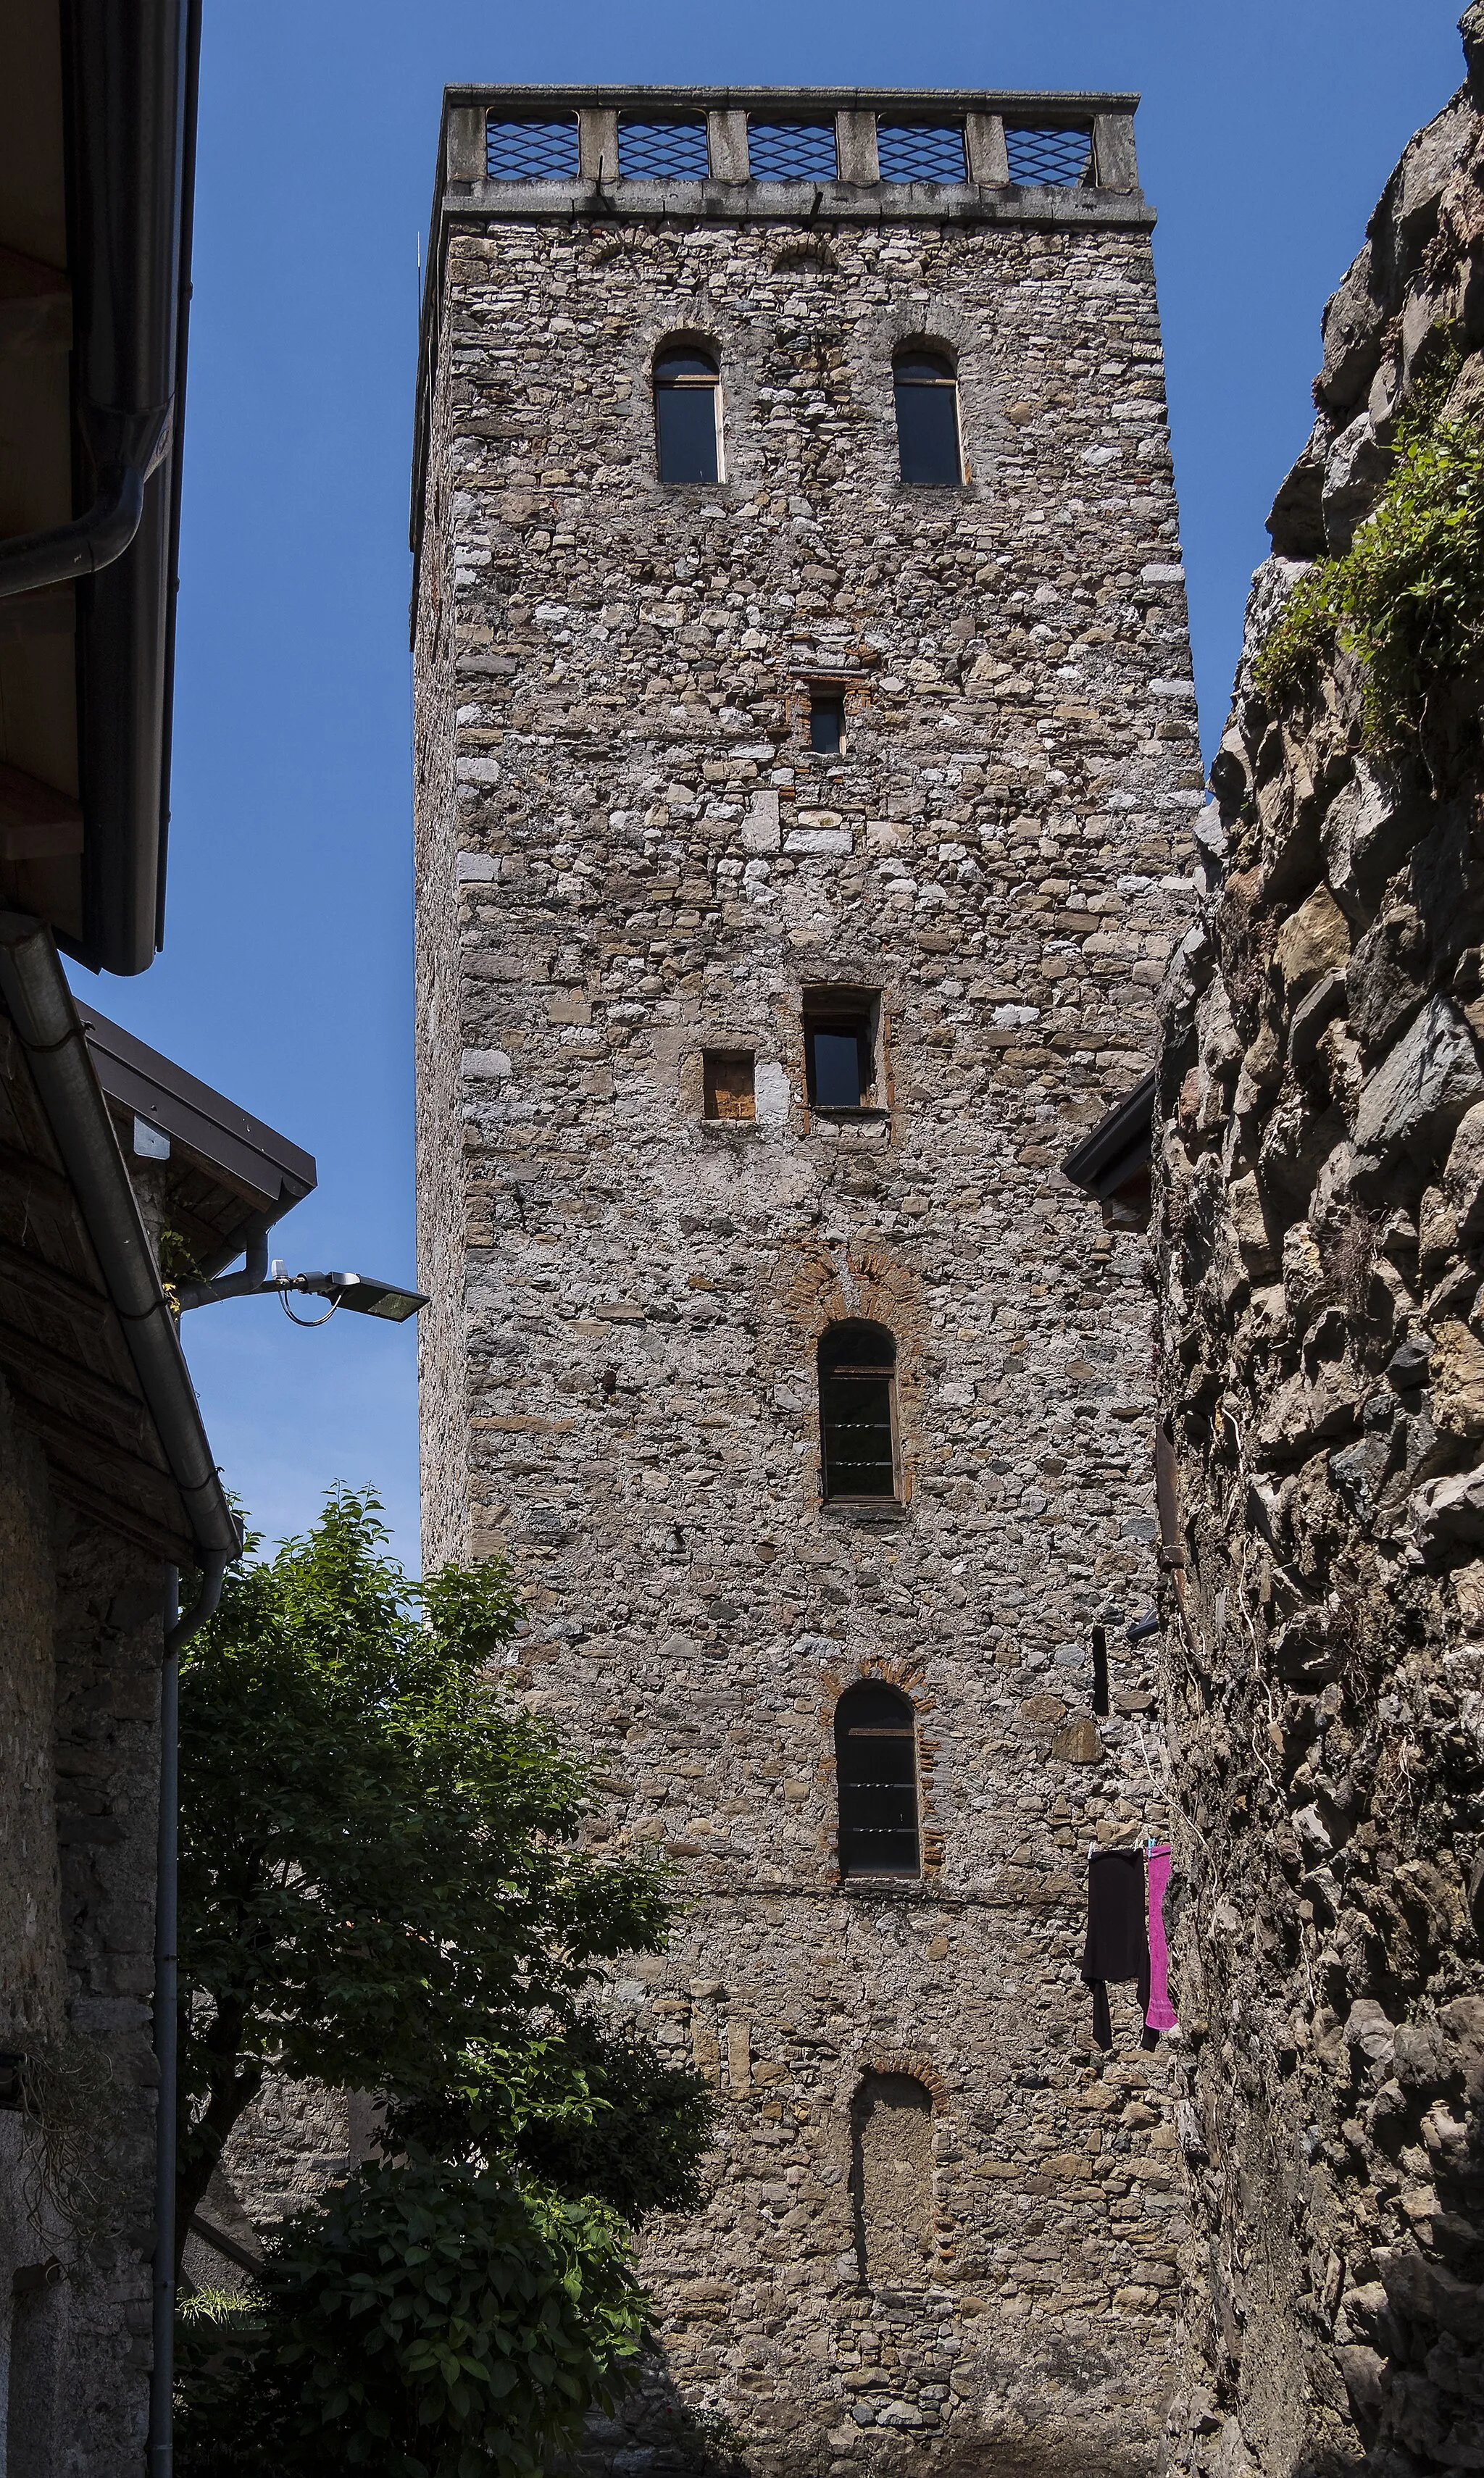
(424, 2319)
(378, 1889)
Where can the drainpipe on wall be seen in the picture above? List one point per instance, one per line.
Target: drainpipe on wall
(178, 1632)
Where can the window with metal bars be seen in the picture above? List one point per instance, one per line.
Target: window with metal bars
(532, 150)
(857, 1366)
(688, 412)
(929, 447)
(1057, 159)
(876, 1782)
(921, 150)
(790, 150)
(663, 150)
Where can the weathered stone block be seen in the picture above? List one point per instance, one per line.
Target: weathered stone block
(1315, 941)
(1422, 1088)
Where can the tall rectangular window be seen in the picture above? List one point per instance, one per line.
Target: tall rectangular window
(827, 721)
(841, 1029)
(857, 1365)
(687, 413)
(929, 447)
(876, 1771)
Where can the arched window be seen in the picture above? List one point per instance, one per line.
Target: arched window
(876, 1782)
(688, 412)
(858, 1410)
(892, 2180)
(927, 418)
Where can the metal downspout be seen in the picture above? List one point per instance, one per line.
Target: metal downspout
(80, 548)
(178, 1632)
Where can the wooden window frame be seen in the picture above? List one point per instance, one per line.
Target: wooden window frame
(949, 379)
(683, 383)
(827, 1009)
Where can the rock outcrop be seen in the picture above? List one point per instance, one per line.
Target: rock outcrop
(1321, 1248)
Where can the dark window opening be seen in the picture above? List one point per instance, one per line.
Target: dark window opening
(827, 721)
(877, 1779)
(730, 1089)
(688, 429)
(928, 447)
(857, 1365)
(839, 1049)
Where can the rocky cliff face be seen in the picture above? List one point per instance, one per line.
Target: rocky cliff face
(1321, 1240)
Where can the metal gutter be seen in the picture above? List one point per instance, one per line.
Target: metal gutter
(50, 1031)
(131, 83)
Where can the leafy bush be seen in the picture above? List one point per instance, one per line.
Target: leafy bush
(377, 1888)
(421, 2321)
(1408, 597)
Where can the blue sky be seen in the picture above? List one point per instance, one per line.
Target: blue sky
(1264, 136)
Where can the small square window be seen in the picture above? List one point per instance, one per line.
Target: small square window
(840, 1045)
(730, 1086)
(827, 721)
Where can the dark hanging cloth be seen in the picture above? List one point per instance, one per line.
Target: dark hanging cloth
(1117, 1932)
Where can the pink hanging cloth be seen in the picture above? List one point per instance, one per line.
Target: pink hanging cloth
(1159, 2014)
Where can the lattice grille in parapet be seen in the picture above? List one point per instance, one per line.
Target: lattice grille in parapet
(1059, 159)
(916, 150)
(790, 150)
(532, 150)
(662, 150)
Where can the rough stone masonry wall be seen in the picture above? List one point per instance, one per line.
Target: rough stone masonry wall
(1319, 1245)
(626, 854)
(81, 1670)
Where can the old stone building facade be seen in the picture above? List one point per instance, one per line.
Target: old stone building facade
(799, 851)
(1322, 1102)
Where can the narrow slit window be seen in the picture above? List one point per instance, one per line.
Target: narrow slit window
(876, 1782)
(687, 413)
(928, 442)
(839, 1049)
(827, 721)
(857, 1365)
(731, 1090)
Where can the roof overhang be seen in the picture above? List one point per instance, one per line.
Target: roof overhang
(1113, 1161)
(97, 121)
(226, 1177)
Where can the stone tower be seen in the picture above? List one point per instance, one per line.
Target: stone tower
(805, 752)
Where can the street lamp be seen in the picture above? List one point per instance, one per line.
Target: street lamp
(361, 1292)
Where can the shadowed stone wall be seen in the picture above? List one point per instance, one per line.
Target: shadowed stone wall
(1321, 1089)
(80, 1641)
(627, 855)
